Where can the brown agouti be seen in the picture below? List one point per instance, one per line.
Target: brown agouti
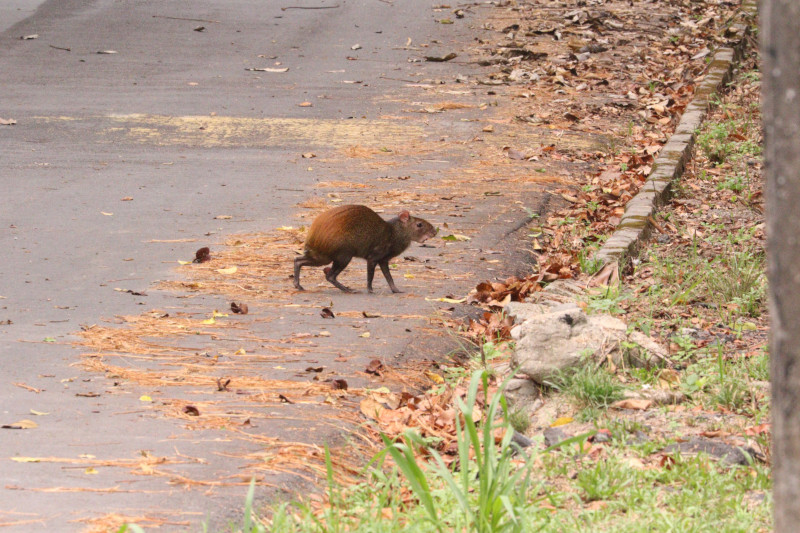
(342, 233)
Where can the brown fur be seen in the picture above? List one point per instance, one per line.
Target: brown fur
(342, 233)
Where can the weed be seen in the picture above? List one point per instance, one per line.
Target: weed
(489, 490)
(588, 387)
(734, 183)
(740, 283)
(604, 481)
(606, 300)
(588, 261)
(519, 420)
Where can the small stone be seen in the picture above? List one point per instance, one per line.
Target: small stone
(553, 436)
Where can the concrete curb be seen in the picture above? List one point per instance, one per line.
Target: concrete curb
(635, 228)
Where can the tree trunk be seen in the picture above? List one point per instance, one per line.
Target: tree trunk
(780, 53)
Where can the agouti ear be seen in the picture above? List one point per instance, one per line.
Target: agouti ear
(404, 216)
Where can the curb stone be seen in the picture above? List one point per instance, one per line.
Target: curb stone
(635, 228)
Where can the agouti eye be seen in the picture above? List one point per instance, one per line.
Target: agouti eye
(419, 224)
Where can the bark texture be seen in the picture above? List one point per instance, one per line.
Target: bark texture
(780, 48)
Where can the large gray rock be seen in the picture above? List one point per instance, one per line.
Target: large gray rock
(550, 342)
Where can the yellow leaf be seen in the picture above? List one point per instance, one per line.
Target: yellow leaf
(456, 237)
(436, 378)
(90, 470)
(286, 228)
(279, 368)
(216, 313)
(365, 335)
(223, 217)
(209, 321)
(106, 214)
(229, 270)
(446, 300)
(371, 408)
(145, 398)
(23, 424)
(184, 262)
(409, 276)
(26, 459)
(561, 421)
(240, 351)
(38, 413)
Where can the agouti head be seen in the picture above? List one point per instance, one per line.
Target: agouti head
(413, 228)
(341, 233)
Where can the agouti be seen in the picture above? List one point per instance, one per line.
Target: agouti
(342, 233)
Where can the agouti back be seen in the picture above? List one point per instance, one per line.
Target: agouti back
(342, 233)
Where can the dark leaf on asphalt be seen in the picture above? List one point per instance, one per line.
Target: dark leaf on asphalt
(339, 384)
(29, 37)
(441, 59)
(200, 28)
(87, 394)
(202, 255)
(327, 313)
(239, 308)
(130, 291)
(284, 399)
(223, 386)
(191, 410)
(315, 369)
(374, 367)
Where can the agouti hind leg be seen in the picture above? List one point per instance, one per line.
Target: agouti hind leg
(305, 260)
(336, 269)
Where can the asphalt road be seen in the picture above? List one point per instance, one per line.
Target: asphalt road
(137, 124)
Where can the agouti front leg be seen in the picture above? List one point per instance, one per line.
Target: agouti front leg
(370, 274)
(388, 275)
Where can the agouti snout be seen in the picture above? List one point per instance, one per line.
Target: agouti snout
(342, 233)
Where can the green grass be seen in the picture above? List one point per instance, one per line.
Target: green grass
(588, 387)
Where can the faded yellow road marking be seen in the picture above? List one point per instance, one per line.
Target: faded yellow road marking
(207, 131)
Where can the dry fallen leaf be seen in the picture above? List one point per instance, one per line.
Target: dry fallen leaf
(268, 69)
(561, 421)
(202, 255)
(374, 367)
(638, 404)
(239, 308)
(22, 424)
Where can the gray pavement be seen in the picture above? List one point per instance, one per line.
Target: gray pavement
(173, 120)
